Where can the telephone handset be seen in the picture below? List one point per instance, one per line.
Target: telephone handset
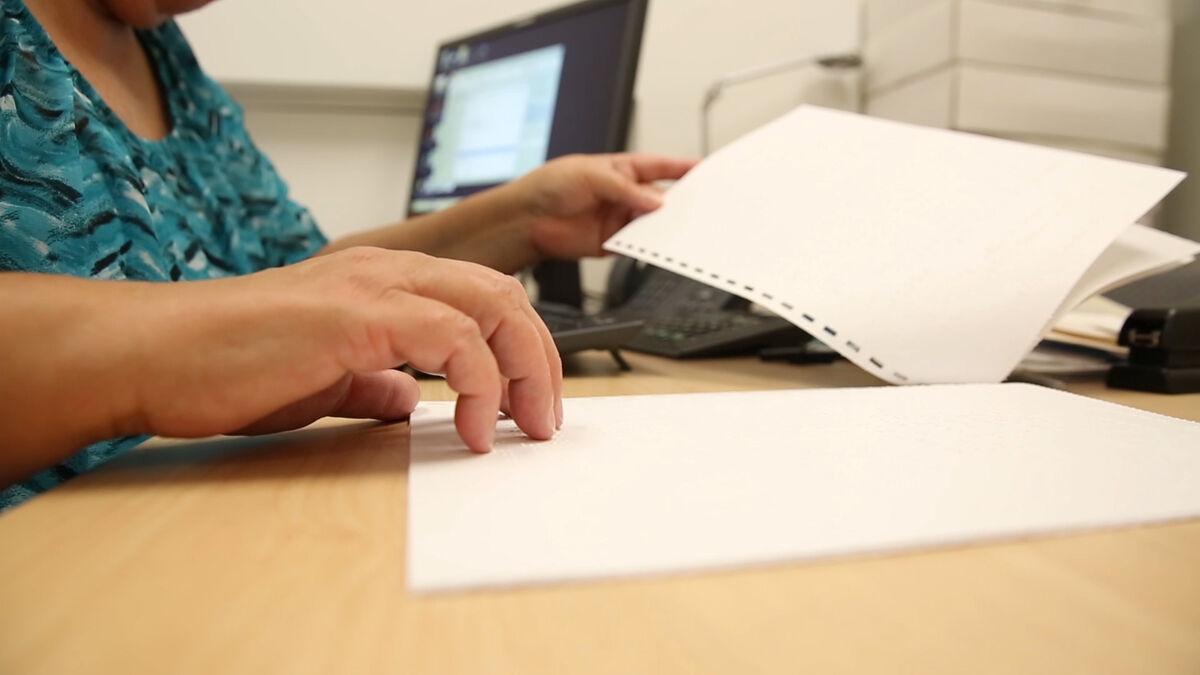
(685, 318)
(636, 286)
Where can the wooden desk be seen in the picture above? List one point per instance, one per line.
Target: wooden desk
(265, 556)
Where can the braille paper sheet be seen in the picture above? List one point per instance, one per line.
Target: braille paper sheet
(652, 485)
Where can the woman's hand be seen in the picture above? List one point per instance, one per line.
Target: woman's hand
(283, 347)
(574, 204)
(269, 351)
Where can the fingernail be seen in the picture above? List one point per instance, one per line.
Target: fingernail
(558, 414)
(553, 420)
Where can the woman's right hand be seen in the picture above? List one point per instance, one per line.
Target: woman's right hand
(281, 348)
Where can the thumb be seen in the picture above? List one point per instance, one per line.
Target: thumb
(384, 395)
(615, 186)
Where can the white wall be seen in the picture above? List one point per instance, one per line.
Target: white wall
(353, 169)
(358, 42)
(1181, 212)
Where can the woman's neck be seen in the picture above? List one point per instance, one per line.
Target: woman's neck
(86, 25)
(108, 53)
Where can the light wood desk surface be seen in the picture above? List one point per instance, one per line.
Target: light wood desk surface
(270, 556)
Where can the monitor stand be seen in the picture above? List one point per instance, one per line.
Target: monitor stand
(559, 282)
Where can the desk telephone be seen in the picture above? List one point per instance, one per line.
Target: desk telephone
(684, 318)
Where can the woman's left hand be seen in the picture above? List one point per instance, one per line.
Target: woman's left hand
(575, 203)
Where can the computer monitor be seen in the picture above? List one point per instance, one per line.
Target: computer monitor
(503, 101)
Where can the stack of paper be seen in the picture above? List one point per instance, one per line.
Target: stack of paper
(922, 255)
(634, 485)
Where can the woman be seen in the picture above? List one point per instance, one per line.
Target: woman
(123, 165)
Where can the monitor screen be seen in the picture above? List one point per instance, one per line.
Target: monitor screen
(503, 101)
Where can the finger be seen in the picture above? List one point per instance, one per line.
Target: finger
(531, 385)
(505, 408)
(554, 362)
(438, 338)
(525, 395)
(522, 346)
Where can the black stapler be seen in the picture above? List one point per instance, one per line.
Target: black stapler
(1164, 351)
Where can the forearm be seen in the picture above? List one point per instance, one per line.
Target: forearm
(489, 228)
(62, 383)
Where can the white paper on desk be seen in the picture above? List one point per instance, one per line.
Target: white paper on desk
(1137, 253)
(656, 484)
(1091, 320)
(922, 255)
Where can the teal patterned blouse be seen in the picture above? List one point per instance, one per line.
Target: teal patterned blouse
(81, 194)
